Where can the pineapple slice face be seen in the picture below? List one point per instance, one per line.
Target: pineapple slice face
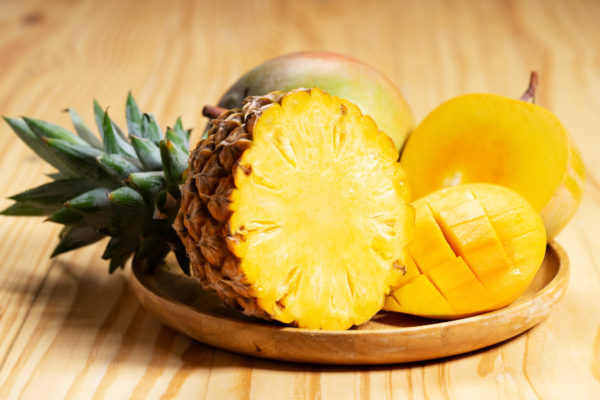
(477, 246)
(320, 214)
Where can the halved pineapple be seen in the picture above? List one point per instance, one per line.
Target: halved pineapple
(296, 209)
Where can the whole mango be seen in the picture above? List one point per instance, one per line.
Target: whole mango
(336, 74)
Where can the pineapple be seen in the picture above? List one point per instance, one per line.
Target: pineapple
(295, 208)
(124, 187)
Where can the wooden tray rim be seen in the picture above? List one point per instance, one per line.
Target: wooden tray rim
(562, 273)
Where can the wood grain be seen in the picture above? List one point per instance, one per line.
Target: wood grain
(69, 330)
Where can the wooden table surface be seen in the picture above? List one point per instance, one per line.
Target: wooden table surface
(70, 330)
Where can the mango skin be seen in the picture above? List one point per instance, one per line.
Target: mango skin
(338, 75)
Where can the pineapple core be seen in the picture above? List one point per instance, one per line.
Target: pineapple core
(320, 213)
(477, 248)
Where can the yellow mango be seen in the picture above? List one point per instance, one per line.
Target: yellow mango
(430, 248)
(460, 286)
(476, 248)
(419, 297)
(494, 139)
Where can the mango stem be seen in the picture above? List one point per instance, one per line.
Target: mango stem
(530, 92)
(213, 111)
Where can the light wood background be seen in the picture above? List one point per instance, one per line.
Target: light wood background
(69, 330)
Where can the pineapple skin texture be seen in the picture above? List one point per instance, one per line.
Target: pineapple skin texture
(338, 75)
(314, 215)
(490, 138)
(477, 248)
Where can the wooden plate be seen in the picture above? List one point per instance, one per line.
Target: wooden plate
(180, 303)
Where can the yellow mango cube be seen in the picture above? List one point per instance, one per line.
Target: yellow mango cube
(461, 287)
(430, 247)
(514, 223)
(418, 295)
(485, 260)
(422, 210)
(524, 247)
(471, 235)
(500, 203)
(463, 213)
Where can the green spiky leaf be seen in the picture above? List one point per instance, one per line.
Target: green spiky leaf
(92, 202)
(113, 142)
(127, 197)
(75, 237)
(66, 216)
(150, 129)
(177, 138)
(183, 134)
(27, 210)
(58, 176)
(148, 153)
(99, 117)
(148, 184)
(49, 130)
(37, 145)
(155, 259)
(89, 169)
(119, 262)
(81, 160)
(53, 195)
(119, 167)
(119, 131)
(153, 245)
(122, 244)
(124, 221)
(134, 117)
(174, 161)
(83, 130)
(154, 227)
(120, 249)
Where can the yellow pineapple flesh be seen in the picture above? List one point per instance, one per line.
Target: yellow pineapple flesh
(311, 221)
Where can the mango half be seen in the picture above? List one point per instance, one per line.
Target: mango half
(494, 139)
(477, 247)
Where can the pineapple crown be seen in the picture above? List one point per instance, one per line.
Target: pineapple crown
(123, 186)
